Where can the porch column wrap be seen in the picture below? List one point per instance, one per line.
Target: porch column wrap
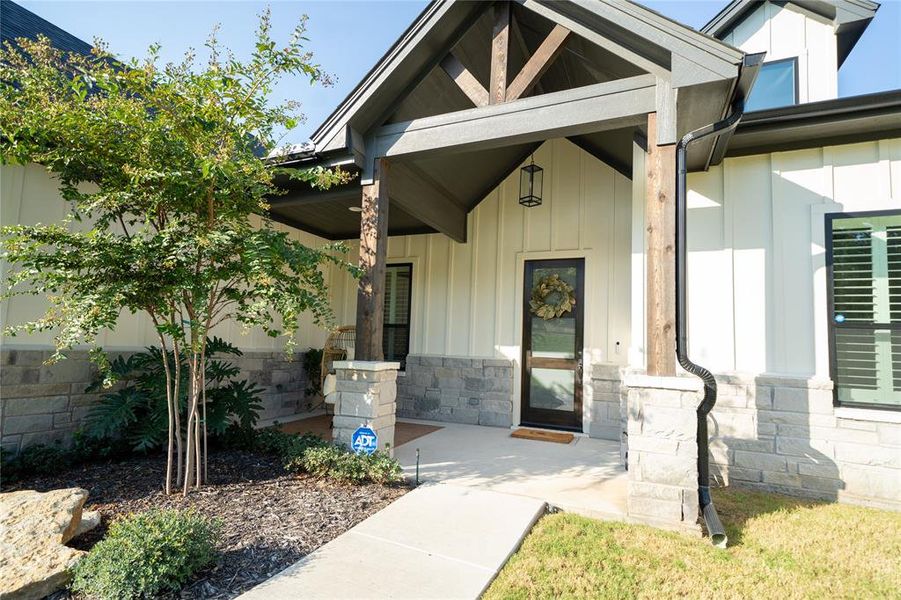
(366, 393)
(663, 451)
(373, 253)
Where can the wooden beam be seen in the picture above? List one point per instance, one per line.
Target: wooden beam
(539, 62)
(420, 196)
(588, 109)
(373, 252)
(465, 80)
(500, 46)
(660, 222)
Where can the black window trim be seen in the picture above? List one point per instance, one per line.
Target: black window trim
(830, 307)
(409, 324)
(797, 82)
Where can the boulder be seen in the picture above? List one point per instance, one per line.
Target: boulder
(34, 526)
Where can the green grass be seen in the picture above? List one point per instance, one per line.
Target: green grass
(780, 547)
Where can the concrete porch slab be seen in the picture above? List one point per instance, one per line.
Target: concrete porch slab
(438, 541)
(585, 477)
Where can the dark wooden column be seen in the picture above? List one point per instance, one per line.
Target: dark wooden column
(660, 221)
(373, 250)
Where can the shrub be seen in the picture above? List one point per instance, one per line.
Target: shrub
(138, 412)
(337, 463)
(48, 459)
(148, 553)
(312, 365)
(309, 453)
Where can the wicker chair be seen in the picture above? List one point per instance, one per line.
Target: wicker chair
(338, 346)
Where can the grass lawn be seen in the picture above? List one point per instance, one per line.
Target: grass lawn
(779, 547)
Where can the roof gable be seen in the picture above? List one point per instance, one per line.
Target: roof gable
(849, 18)
(648, 41)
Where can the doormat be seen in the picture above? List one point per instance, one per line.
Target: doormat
(558, 437)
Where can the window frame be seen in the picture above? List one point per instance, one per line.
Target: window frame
(829, 218)
(409, 324)
(796, 83)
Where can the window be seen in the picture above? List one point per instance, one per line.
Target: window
(864, 265)
(777, 85)
(396, 328)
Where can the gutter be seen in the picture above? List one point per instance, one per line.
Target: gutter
(714, 525)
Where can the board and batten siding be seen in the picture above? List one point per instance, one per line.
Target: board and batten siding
(467, 298)
(757, 259)
(785, 31)
(29, 195)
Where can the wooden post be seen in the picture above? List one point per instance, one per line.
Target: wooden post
(373, 250)
(497, 86)
(660, 221)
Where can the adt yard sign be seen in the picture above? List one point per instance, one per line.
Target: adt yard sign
(364, 441)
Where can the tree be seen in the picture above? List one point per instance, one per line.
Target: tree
(162, 166)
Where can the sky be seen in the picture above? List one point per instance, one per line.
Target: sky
(348, 37)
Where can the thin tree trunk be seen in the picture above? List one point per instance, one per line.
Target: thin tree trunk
(170, 449)
(189, 446)
(205, 430)
(177, 402)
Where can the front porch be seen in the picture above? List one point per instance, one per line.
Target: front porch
(585, 476)
(509, 299)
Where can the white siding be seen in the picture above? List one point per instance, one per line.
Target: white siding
(757, 288)
(785, 31)
(467, 298)
(29, 196)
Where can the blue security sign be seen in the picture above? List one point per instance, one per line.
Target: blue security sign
(364, 441)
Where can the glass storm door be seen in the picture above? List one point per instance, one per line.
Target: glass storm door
(553, 311)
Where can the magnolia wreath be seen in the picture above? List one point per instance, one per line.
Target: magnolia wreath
(552, 297)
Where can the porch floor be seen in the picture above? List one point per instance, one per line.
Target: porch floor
(585, 476)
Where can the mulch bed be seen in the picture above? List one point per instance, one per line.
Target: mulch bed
(271, 518)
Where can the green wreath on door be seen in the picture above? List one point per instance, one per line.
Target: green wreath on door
(552, 298)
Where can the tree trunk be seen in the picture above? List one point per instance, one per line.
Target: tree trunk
(170, 449)
(177, 402)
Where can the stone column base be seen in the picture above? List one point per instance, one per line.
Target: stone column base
(663, 452)
(366, 397)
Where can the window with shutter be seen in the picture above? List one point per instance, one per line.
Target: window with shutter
(864, 260)
(396, 326)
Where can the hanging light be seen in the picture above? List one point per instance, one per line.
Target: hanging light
(530, 180)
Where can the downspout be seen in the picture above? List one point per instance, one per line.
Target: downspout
(711, 519)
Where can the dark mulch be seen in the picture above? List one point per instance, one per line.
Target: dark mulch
(271, 518)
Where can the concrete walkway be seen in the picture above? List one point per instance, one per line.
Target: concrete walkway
(585, 476)
(438, 541)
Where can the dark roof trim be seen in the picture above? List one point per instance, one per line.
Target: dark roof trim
(849, 17)
(817, 124)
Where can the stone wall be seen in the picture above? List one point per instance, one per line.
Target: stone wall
(477, 391)
(784, 434)
(663, 451)
(608, 403)
(47, 403)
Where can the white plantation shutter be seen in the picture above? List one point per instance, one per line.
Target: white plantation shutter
(866, 301)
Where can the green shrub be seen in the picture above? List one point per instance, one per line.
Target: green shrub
(40, 459)
(309, 453)
(312, 365)
(48, 459)
(148, 553)
(334, 462)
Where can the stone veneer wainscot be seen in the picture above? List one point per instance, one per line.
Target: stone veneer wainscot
(47, 403)
(475, 391)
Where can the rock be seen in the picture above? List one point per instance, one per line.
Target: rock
(89, 520)
(34, 527)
